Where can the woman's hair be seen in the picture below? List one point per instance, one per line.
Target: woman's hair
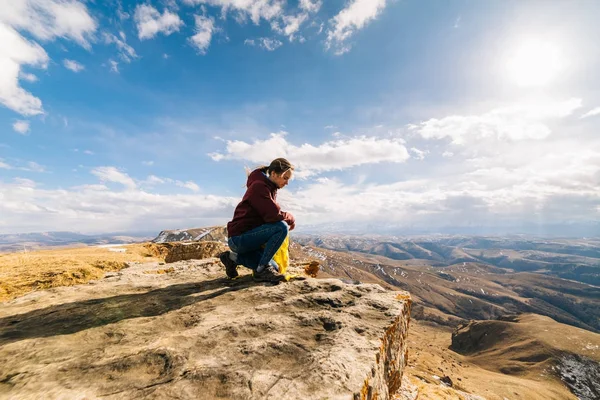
(278, 165)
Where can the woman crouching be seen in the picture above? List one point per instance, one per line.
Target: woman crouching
(259, 227)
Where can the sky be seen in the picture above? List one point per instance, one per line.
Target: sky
(399, 115)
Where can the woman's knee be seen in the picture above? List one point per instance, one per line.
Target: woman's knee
(282, 225)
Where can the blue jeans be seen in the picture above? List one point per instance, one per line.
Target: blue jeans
(248, 244)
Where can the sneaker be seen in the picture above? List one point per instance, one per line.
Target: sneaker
(230, 265)
(269, 274)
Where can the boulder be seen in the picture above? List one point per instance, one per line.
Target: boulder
(179, 251)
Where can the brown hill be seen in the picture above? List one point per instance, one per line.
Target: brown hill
(533, 346)
(440, 373)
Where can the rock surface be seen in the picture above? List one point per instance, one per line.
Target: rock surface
(180, 251)
(212, 233)
(187, 333)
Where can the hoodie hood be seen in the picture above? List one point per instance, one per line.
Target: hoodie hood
(259, 175)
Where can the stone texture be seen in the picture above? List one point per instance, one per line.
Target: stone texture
(188, 333)
(180, 251)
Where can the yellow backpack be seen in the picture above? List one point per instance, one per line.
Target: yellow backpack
(282, 257)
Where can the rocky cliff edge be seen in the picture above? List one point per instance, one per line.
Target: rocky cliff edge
(185, 332)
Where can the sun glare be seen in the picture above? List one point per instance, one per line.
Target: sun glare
(534, 63)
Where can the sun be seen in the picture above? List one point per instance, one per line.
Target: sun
(534, 63)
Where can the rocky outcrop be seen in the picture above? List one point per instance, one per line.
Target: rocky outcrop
(211, 233)
(180, 251)
(581, 375)
(187, 333)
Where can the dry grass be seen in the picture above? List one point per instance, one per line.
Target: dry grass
(26, 271)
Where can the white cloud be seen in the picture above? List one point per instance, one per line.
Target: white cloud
(50, 19)
(126, 52)
(153, 180)
(73, 65)
(554, 181)
(28, 77)
(96, 208)
(308, 5)
(21, 127)
(309, 159)
(114, 66)
(17, 51)
(150, 22)
(32, 166)
(255, 9)
(45, 20)
(88, 152)
(539, 190)
(272, 11)
(354, 17)
(112, 174)
(25, 183)
(419, 154)
(148, 163)
(457, 22)
(204, 30)
(517, 122)
(189, 185)
(291, 25)
(4, 165)
(447, 154)
(591, 113)
(268, 44)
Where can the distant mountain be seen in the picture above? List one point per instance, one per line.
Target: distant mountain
(43, 237)
(575, 259)
(38, 240)
(569, 230)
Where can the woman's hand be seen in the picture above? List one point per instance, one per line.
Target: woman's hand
(290, 220)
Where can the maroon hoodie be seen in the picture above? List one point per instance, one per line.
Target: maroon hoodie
(258, 206)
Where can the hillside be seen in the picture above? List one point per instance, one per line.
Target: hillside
(574, 259)
(532, 357)
(23, 272)
(533, 346)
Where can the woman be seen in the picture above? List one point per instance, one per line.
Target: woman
(259, 227)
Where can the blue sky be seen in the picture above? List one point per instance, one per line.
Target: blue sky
(412, 115)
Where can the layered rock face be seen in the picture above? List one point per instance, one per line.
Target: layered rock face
(190, 334)
(180, 251)
(212, 233)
